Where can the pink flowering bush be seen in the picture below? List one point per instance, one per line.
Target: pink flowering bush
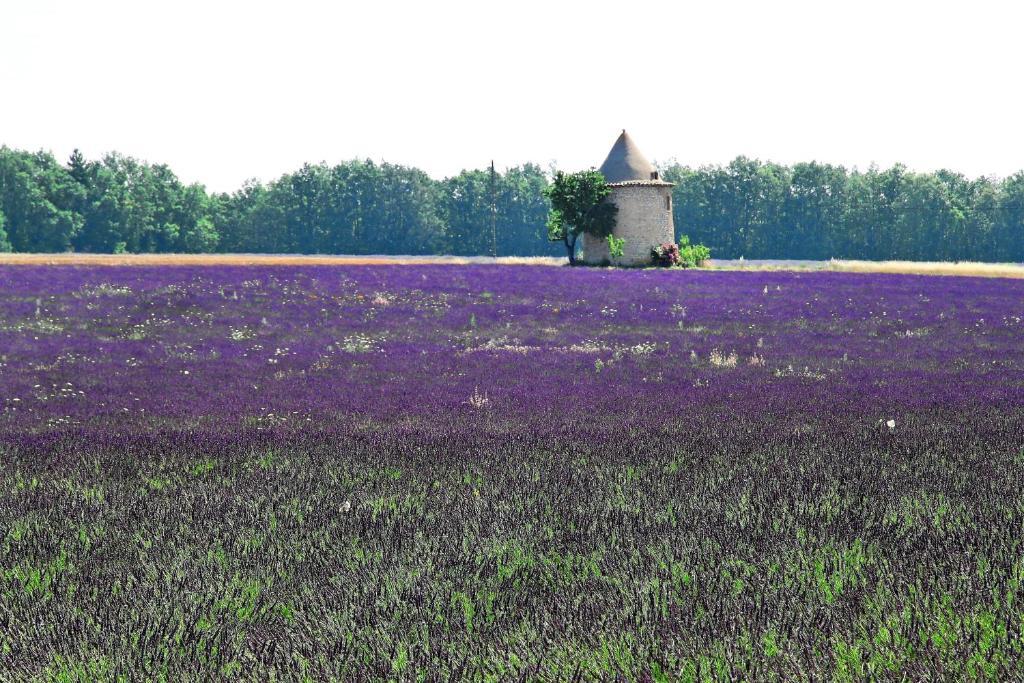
(665, 255)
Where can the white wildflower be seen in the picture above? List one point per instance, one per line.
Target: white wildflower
(720, 360)
(478, 400)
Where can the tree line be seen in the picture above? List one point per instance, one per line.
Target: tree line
(746, 208)
(818, 211)
(120, 204)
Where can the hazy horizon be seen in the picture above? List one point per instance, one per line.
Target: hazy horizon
(248, 90)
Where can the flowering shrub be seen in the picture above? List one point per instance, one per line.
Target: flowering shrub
(684, 254)
(665, 255)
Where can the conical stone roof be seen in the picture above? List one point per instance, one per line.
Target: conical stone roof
(627, 163)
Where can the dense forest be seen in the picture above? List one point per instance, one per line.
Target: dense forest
(747, 208)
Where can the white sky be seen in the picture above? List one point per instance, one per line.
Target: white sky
(223, 91)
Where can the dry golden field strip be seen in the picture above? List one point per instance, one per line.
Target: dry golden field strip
(972, 269)
(962, 268)
(975, 269)
(73, 259)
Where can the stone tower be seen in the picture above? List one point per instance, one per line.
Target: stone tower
(644, 201)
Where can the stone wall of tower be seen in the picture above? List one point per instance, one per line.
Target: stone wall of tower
(644, 220)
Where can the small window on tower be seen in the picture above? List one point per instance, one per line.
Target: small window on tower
(668, 202)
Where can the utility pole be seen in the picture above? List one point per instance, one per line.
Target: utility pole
(494, 213)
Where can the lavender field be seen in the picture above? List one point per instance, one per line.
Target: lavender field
(496, 472)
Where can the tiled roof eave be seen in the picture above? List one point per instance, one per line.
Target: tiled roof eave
(632, 183)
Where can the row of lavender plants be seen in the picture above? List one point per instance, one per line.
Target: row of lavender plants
(499, 472)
